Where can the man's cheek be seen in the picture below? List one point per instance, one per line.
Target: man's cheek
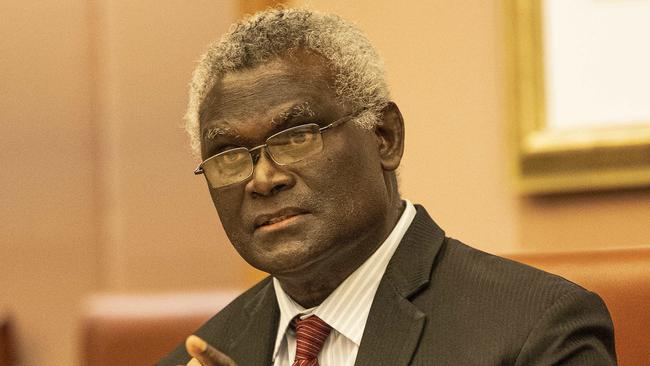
(225, 207)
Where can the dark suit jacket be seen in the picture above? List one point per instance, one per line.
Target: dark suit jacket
(442, 302)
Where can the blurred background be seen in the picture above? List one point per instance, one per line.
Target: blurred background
(97, 192)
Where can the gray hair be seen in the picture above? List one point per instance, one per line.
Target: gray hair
(357, 69)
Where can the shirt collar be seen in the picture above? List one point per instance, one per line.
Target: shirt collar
(346, 309)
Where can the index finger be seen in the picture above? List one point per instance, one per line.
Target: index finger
(206, 354)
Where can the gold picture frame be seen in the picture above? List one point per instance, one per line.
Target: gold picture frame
(551, 161)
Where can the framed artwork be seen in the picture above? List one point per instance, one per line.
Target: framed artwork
(580, 93)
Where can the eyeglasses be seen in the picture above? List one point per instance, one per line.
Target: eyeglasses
(285, 147)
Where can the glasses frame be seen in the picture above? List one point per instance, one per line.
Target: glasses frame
(199, 169)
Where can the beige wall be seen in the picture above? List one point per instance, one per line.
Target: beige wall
(48, 256)
(96, 186)
(159, 229)
(585, 220)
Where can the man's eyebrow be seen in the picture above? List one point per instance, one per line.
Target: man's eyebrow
(217, 131)
(297, 110)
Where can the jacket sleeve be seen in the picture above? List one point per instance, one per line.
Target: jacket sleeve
(575, 330)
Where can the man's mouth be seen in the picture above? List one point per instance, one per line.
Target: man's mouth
(277, 219)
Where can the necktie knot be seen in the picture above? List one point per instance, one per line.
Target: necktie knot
(311, 333)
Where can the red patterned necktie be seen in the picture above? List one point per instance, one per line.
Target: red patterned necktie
(310, 336)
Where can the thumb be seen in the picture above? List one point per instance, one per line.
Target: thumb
(206, 354)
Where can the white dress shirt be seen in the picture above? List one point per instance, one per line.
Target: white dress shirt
(345, 310)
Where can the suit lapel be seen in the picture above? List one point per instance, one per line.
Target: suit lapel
(394, 324)
(254, 345)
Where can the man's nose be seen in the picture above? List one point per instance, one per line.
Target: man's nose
(268, 177)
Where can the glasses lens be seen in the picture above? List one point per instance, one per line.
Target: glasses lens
(295, 144)
(229, 167)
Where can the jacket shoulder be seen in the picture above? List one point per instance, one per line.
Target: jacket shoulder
(476, 278)
(503, 274)
(513, 312)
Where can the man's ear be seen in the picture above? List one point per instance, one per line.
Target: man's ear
(390, 137)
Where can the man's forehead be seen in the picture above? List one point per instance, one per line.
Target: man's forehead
(296, 66)
(276, 69)
(244, 92)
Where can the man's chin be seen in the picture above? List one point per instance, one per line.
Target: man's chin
(288, 258)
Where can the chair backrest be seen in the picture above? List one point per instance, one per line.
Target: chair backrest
(622, 278)
(140, 329)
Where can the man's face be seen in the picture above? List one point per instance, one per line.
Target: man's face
(316, 214)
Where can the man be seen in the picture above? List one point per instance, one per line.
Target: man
(300, 143)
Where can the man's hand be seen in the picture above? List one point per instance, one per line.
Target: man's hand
(205, 355)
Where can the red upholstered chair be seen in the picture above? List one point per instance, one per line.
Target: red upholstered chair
(123, 330)
(622, 278)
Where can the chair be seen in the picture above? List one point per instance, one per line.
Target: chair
(123, 330)
(622, 278)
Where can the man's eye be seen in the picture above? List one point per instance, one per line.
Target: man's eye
(301, 137)
(232, 157)
(298, 138)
